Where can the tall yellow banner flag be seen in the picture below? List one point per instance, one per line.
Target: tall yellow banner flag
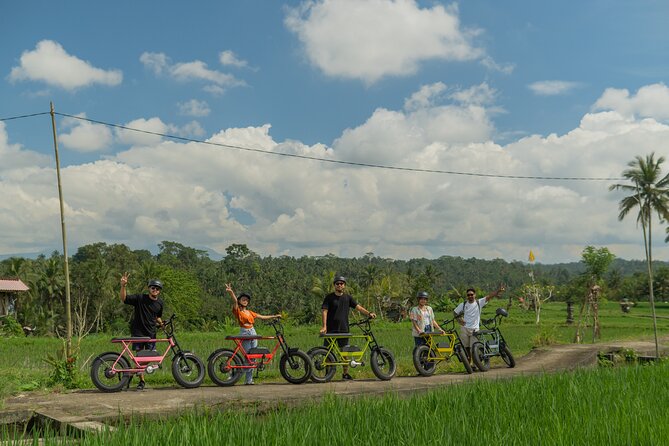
(531, 256)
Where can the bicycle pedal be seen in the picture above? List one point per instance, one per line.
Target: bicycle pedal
(152, 368)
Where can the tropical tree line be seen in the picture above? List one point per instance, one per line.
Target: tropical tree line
(195, 283)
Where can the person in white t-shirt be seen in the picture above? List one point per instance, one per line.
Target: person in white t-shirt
(468, 314)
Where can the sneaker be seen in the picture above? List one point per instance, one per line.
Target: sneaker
(346, 377)
(250, 383)
(140, 386)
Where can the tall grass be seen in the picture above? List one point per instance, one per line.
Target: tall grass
(623, 406)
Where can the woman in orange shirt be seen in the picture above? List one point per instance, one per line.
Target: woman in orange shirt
(246, 317)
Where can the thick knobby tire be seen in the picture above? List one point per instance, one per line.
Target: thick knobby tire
(102, 376)
(462, 356)
(301, 371)
(478, 355)
(383, 364)
(188, 370)
(506, 355)
(219, 370)
(420, 361)
(321, 373)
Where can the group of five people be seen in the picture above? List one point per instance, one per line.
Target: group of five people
(148, 311)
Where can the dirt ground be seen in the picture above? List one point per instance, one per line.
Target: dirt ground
(91, 409)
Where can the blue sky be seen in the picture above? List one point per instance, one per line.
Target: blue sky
(570, 89)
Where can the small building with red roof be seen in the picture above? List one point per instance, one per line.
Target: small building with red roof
(9, 289)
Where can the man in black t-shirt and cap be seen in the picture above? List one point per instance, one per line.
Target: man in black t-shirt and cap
(335, 314)
(146, 316)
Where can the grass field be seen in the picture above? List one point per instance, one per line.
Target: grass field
(606, 406)
(23, 366)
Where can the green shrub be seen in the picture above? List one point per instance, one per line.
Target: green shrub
(10, 327)
(546, 336)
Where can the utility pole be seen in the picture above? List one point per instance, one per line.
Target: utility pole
(66, 268)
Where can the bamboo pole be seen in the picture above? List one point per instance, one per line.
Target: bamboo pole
(66, 268)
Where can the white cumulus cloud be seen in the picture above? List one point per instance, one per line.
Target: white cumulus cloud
(85, 136)
(205, 195)
(649, 101)
(137, 135)
(371, 39)
(51, 64)
(197, 70)
(228, 57)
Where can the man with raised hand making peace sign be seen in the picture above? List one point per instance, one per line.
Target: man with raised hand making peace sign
(146, 316)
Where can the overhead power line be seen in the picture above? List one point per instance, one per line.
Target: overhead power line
(23, 116)
(327, 160)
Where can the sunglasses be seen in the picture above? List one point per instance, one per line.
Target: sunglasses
(340, 283)
(470, 294)
(155, 288)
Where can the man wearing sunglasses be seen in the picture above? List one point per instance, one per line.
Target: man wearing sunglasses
(146, 315)
(335, 314)
(468, 314)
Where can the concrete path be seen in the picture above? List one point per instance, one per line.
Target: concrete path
(91, 409)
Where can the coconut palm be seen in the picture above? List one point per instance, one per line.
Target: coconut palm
(650, 192)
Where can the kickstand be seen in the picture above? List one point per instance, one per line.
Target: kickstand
(129, 381)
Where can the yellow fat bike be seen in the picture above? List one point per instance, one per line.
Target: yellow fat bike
(439, 347)
(326, 358)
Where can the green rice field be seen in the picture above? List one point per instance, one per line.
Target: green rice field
(607, 406)
(23, 366)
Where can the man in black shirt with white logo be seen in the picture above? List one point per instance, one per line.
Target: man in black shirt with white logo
(146, 316)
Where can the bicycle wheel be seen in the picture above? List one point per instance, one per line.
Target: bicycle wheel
(423, 366)
(220, 370)
(104, 377)
(188, 370)
(506, 355)
(480, 358)
(383, 364)
(295, 367)
(321, 373)
(462, 356)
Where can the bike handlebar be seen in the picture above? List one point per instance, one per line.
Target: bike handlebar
(449, 321)
(168, 325)
(365, 321)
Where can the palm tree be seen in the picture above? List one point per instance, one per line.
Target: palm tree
(369, 277)
(650, 192)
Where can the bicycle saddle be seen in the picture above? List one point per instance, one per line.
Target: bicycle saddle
(132, 339)
(245, 337)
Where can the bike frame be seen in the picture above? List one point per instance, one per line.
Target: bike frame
(345, 357)
(491, 338)
(258, 360)
(142, 362)
(433, 339)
